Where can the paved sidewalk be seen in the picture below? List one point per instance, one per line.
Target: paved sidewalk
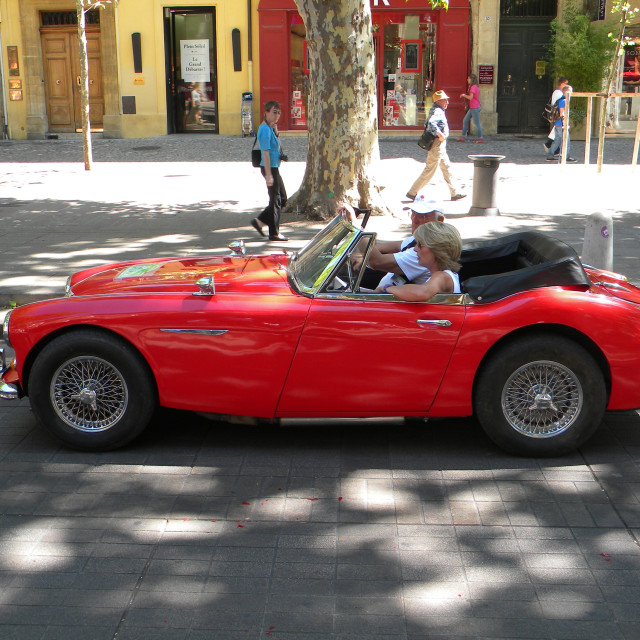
(375, 531)
(57, 218)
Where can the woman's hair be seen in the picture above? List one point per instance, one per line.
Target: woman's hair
(271, 104)
(474, 78)
(444, 241)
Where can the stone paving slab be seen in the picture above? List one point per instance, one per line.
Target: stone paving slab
(414, 532)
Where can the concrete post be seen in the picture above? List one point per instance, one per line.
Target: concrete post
(597, 250)
(485, 180)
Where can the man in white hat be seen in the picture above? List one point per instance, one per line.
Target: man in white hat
(396, 261)
(437, 155)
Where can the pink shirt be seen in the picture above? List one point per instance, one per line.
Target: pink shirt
(474, 103)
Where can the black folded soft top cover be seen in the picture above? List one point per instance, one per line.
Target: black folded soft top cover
(494, 269)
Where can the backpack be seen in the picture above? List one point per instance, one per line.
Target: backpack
(551, 112)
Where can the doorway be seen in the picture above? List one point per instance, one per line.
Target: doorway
(524, 84)
(192, 87)
(62, 78)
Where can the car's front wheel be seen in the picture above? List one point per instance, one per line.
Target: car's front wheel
(92, 390)
(540, 396)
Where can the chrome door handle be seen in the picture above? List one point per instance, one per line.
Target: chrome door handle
(439, 323)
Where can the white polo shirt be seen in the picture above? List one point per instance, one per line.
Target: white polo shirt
(407, 260)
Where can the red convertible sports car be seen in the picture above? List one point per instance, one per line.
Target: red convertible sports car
(536, 347)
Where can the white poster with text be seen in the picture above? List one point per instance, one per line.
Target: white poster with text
(194, 59)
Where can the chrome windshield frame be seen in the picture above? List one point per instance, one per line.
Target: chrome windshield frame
(311, 267)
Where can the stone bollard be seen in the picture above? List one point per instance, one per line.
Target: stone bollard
(597, 249)
(485, 178)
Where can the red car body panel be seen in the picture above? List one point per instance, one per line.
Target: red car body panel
(370, 358)
(609, 323)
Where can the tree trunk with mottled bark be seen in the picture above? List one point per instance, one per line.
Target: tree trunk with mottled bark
(342, 120)
(84, 86)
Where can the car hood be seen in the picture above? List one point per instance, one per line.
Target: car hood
(259, 274)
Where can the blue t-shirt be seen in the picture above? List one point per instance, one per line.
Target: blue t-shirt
(560, 104)
(269, 142)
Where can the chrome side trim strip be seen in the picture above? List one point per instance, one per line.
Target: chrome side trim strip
(200, 332)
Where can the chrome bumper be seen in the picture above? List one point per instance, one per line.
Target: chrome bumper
(8, 391)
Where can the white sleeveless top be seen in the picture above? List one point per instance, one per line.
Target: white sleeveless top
(456, 280)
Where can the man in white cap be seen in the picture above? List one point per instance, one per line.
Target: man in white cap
(438, 125)
(396, 261)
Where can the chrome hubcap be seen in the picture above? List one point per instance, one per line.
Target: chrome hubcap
(89, 394)
(542, 399)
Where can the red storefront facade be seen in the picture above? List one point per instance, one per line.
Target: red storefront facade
(418, 50)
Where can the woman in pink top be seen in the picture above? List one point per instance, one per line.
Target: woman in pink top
(474, 108)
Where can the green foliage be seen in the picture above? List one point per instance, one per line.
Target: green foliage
(443, 4)
(579, 50)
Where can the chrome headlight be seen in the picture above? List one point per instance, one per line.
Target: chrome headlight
(5, 328)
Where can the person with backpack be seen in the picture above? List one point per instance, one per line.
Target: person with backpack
(554, 151)
(548, 110)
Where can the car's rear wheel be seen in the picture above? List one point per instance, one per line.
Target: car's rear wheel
(540, 396)
(92, 390)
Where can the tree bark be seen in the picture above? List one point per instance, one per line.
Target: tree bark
(84, 86)
(343, 147)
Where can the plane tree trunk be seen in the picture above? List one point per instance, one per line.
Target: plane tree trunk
(87, 150)
(343, 150)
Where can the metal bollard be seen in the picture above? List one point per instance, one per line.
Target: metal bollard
(597, 249)
(484, 185)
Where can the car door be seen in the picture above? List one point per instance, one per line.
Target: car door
(371, 355)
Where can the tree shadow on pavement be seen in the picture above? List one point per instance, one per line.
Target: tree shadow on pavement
(205, 529)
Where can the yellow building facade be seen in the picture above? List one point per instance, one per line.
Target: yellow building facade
(160, 67)
(154, 68)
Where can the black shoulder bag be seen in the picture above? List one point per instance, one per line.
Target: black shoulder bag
(425, 141)
(256, 154)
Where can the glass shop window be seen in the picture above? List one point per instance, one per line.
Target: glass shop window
(408, 68)
(299, 81)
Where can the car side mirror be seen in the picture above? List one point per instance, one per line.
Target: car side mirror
(206, 285)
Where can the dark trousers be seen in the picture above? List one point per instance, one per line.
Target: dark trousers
(277, 199)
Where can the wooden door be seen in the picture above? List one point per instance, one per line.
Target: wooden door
(62, 78)
(522, 93)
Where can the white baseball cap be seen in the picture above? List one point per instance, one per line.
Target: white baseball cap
(422, 205)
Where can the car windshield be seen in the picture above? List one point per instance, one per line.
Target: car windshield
(313, 264)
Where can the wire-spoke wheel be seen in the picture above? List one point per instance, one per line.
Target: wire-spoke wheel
(89, 393)
(541, 395)
(542, 399)
(92, 390)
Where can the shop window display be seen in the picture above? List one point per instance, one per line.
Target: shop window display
(299, 73)
(409, 43)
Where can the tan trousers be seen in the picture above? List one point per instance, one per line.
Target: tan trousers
(436, 157)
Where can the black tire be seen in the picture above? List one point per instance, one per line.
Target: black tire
(92, 390)
(540, 396)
